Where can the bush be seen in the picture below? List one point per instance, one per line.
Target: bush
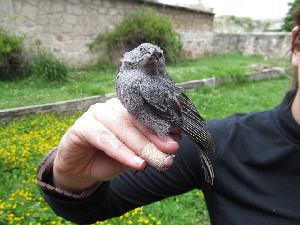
(140, 27)
(12, 61)
(289, 20)
(45, 67)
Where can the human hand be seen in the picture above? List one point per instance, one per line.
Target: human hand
(104, 142)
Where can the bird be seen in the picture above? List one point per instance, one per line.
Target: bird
(150, 95)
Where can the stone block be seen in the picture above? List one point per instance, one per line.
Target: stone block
(73, 1)
(42, 19)
(17, 5)
(73, 46)
(70, 19)
(55, 19)
(29, 11)
(33, 2)
(113, 12)
(4, 5)
(103, 10)
(96, 2)
(189, 85)
(57, 7)
(266, 73)
(86, 1)
(66, 29)
(30, 23)
(90, 30)
(107, 4)
(74, 9)
(44, 5)
(46, 38)
(78, 30)
(63, 107)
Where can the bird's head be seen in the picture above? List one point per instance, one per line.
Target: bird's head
(143, 56)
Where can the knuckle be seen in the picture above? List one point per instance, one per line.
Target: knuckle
(105, 137)
(119, 150)
(73, 136)
(125, 126)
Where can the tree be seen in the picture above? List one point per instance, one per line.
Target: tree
(289, 21)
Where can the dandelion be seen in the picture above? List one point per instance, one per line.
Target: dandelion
(26, 141)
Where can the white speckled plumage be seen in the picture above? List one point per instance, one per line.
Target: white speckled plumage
(148, 93)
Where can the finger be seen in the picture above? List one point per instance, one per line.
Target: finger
(168, 145)
(121, 126)
(156, 158)
(125, 129)
(99, 136)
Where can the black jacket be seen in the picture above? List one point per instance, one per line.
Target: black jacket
(257, 175)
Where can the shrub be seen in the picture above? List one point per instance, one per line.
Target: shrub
(288, 20)
(45, 67)
(140, 27)
(12, 61)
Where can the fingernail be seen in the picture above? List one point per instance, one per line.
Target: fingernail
(139, 161)
(168, 161)
(170, 140)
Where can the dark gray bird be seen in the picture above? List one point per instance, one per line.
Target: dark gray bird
(148, 93)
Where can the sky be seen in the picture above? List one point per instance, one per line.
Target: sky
(256, 9)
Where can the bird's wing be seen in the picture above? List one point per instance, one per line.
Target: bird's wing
(189, 109)
(194, 125)
(161, 98)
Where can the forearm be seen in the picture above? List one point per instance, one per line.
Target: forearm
(82, 211)
(130, 190)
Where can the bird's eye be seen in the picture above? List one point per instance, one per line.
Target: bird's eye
(142, 49)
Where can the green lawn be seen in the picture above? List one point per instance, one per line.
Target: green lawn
(99, 82)
(25, 141)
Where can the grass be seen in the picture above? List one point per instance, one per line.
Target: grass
(28, 92)
(25, 141)
(99, 80)
(242, 97)
(233, 64)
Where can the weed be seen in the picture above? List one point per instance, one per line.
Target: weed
(44, 66)
(12, 60)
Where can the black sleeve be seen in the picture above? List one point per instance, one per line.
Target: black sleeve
(133, 189)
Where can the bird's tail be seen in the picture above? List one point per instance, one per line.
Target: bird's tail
(206, 165)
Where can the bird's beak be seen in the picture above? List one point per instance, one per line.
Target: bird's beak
(154, 54)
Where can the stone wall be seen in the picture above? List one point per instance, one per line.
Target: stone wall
(271, 45)
(66, 27)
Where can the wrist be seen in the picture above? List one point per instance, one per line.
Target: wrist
(69, 183)
(45, 180)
